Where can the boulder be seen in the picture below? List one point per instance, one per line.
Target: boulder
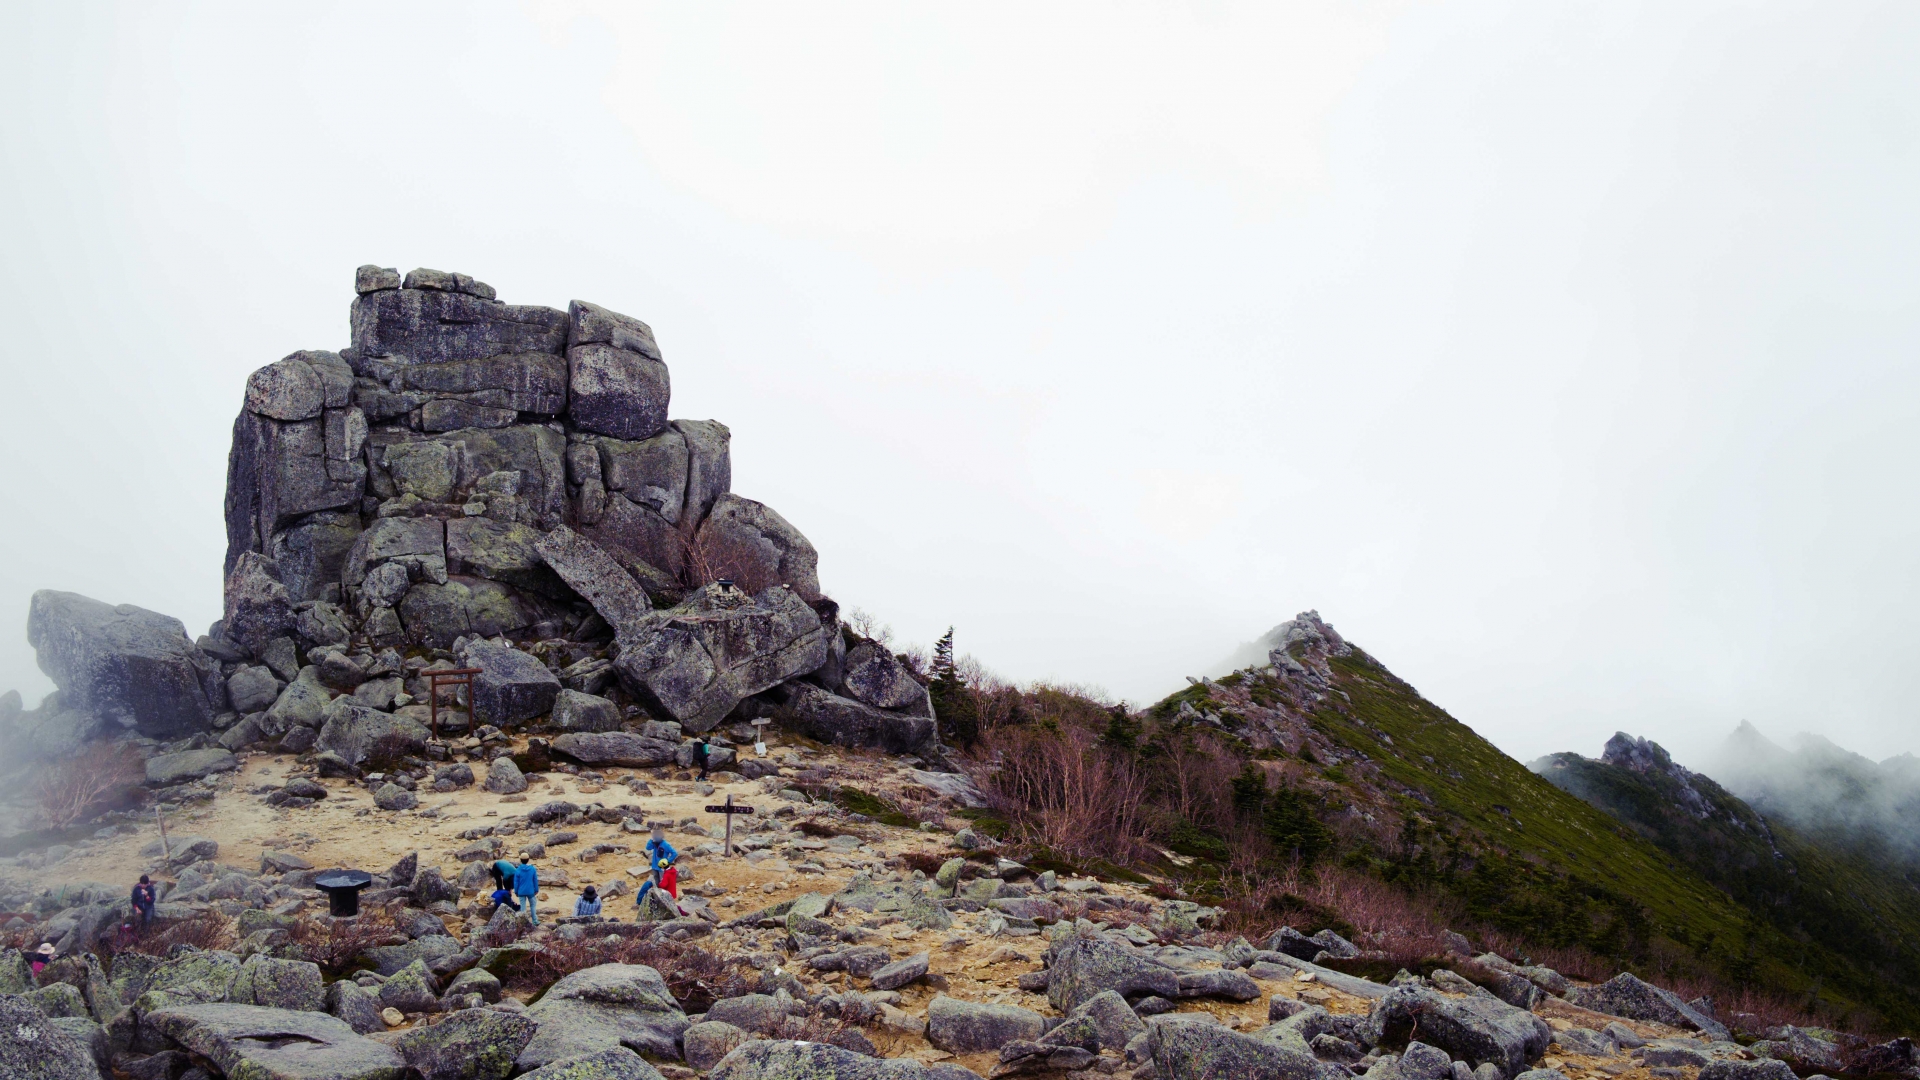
(391, 796)
(761, 1013)
(1628, 996)
(970, 1027)
(574, 711)
(1477, 1030)
(697, 661)
(828, 717)
(258, 609)
(475, 981)
(302, 704)
(901, 972)
(392, 959)
(512, 685)
(615, 748)
(873, 676)
(58, 1000)
(31, 1045)
(504, 777)
(126, 666)
(603, 1007)
(1294, 943)
(1114, 1023)
(279, 984)
(619, 1063)
(250, 1041)
(1192, 1050)
(411, 989)
(473, 1044)
(252, 688)
(188, 979)
(429, 326)
(1801, 1048)
(1084, 965)
(768, 1059)
(707, 1042)
(617, 392)
(430, 888)
(909, 902)
(1218, 982)
(596, 576)
(187, 765)
(351, 1003)
(1746, 1070)
(354, 732)
(752, 544)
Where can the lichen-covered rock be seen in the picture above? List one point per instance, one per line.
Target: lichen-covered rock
(353, 731)
(127, 667)
(828, 717)
(603, 1007)
(258, 609)
(252, 688)
(1084, 965)
(1476, 1030)
(31, 1045)
(761, 1013)
(876, 677)
(58, 1000)
(707, 1042)
(475, 981)
(759, 548)
(574, 711)
(618, 1063)
(969, 1027)
(248, 1042)
(279, 984)
(1113, 1021)
(1766, 1069)
(617, 392)
(349, 1002)
(907, 902)
(623, 748)
(512, 685)
(411, 990)
(391, 796)
(391, 959)
(1628, 996)
(1193, 1050)
(473, 1044)
(504, 777)
(698, 660)
(769, 1059)
(1218, 982)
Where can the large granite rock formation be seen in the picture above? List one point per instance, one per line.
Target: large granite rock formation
(473, 484)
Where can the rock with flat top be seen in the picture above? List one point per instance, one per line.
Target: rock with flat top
(275, 1044)
(128, 668)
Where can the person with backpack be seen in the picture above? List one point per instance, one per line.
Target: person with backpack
(700, 754)
(588, 904)
(526, 885)
(144, 898)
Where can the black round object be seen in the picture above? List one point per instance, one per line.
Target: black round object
(343, 891)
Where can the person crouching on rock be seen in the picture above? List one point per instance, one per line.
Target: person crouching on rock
(503, 897)
(526, 885)
(39, 958)
(588, 904)
(143, 901)
(502, 871)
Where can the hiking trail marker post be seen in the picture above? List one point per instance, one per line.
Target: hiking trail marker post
(729, 810)
(760, 735)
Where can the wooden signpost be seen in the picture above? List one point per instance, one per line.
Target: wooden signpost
(729, 810)
(760, 736)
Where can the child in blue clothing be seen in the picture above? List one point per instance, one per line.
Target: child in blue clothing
(660, 855)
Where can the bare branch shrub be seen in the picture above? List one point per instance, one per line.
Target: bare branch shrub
(695, 977)
(98, 777)
(708, 559)
(868, 626)
(1061, 789)
(335, 944)
(205, 930)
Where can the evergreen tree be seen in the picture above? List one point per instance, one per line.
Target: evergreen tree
(954, 707)
(1249, 790)
(1122, 733)
(1290, 824)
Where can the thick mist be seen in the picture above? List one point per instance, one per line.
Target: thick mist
(1824, 789)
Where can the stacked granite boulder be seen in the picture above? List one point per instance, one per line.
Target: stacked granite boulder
(477, 483)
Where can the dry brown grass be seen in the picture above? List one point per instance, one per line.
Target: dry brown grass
(696, 978)
(99, 777)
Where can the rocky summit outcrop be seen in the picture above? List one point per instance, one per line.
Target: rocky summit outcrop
(470, 483)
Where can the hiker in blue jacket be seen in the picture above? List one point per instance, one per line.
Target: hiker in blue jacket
(526, 884)
(660, 855)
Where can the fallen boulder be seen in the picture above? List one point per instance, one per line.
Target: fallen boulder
(126, 666)
(1084, 965)
(623, 748)
(969, 1027)
(166, 769)
(512, 685)
(698, 660)
(828, 717)
(473, 1044)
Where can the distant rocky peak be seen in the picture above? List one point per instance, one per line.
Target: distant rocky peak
(1642, 755)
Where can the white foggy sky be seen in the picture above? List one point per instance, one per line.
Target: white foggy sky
(1562, 355)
